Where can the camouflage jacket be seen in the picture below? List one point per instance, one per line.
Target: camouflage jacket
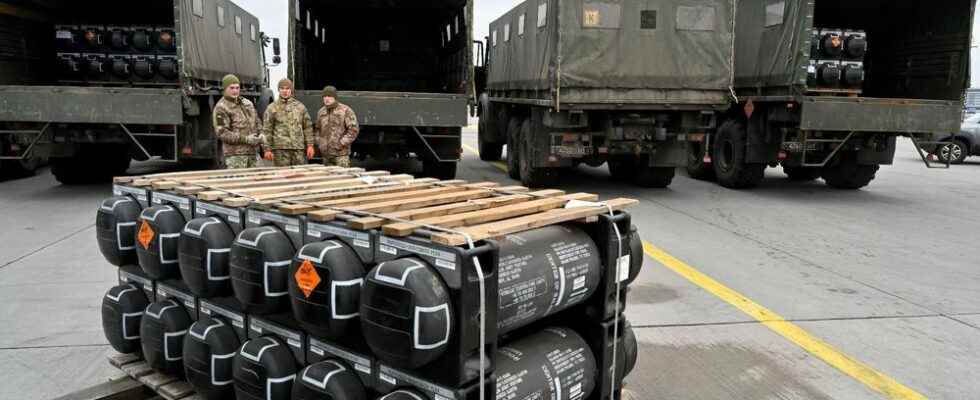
(336, 129)
(287, 125)
(237, 125)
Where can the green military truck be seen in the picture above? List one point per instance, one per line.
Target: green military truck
(826, 86)
(626, 83)
(406, 68)
(94, 84)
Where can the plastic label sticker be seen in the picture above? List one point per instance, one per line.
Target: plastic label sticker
(623, 268)
(590, 18)
(306, 278)
(388, 249)
(145, 235)
(388, 379)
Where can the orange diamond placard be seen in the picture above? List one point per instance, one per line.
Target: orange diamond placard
(145, 235)
(307, 278)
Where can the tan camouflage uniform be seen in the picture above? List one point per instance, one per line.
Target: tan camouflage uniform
(237, 126)
(336, 130)
(288, 130)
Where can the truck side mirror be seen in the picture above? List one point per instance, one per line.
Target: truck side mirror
(275, 48)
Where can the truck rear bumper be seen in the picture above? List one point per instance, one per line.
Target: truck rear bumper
(90, 105)
(864, 114)
(396, 108)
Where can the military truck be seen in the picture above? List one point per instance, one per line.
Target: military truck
(826, 86)
(405, 67)
(625, 83)
(95, 84)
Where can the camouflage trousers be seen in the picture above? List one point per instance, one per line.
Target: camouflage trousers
(337, 161)
(239, 162)
(287, 158)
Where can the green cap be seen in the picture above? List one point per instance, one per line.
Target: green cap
(330, 91)
(229, 80)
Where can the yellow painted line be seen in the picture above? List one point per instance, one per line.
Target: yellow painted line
(499, 164)
(855, 369)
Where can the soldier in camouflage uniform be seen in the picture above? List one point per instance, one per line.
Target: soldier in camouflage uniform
(237, 126)
(288, 129)
(336, 129)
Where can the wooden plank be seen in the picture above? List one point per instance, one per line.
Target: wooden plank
(119, 359)
(338, 185)
(419, 202)
(488, 215)
(292, 206)
(364, 223)
(213, 173)
(124, 388)
(137, 369)
(339, 194)
(284, 176)
(551, 217)
(388, 197)
(176, 390)
(156, 380)
(278, 190)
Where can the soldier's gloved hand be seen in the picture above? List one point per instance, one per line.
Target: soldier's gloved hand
(309, 152)
(267, 155)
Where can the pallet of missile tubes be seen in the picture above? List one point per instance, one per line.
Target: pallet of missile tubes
(365, 284)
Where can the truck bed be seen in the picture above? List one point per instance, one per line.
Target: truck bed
(397, 108)
(69, 104)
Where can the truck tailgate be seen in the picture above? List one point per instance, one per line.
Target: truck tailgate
(397, 108)
(95, 105)
(864, 114)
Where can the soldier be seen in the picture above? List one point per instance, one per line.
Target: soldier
(288, 129)
(237, 125)
(336, 127)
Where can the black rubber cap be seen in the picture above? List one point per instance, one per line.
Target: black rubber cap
(264, 368)
(209, 350)
(852, 75)
(329, 379)
(116, 224)
(162, 332)
(325, 280)
(406, 315)
(855, 46)
(636, 255)
(260, 259)
(157, 240)
(204, 254)
(404, 394)
(122, 310)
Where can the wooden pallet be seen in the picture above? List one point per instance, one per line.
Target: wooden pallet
(451, 212)
(166, 386)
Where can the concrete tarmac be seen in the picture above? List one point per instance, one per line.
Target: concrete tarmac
(886, 276)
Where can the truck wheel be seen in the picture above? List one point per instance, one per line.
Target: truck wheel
(439, 170)
(696, 167)
(20, 168)
(513, 148)
(728, 158)
(622, 168)
(802, 174)
(488, 151)
(652, 177)
(531, 176)
(848, 174)
(69, 171)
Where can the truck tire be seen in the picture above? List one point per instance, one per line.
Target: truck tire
(728, 158)
(68, 171)
(848, 174)
(621, 168)
(514, 148)
(802, 174)
(531, 176)
(20, 168)
(696, 167)
(488, 151)
(652, 177)
(439, 170)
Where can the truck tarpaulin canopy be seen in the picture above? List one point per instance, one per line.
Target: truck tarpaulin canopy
(614, 44)
(219, 38)
(916, 49)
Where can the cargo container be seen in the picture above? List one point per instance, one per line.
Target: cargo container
(405, 68)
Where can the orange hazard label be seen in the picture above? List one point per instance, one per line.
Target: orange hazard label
(307, 278)
(145, 235)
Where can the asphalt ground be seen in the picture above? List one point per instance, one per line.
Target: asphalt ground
(787, 291)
